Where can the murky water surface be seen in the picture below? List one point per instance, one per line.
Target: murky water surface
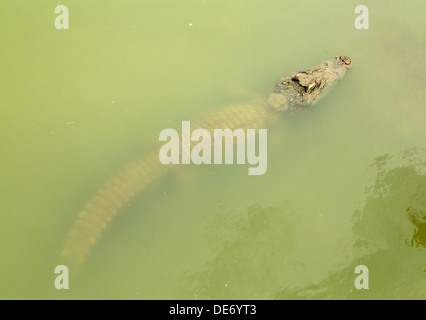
(345, 184)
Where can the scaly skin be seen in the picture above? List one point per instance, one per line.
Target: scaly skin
(293, 92)
(302, 88)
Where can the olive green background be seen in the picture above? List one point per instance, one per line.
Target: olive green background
(346, 180)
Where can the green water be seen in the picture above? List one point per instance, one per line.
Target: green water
(346, 180)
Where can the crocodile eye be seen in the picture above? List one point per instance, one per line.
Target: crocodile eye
(346, 60)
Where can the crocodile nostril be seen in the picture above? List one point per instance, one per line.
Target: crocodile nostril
(346, 60)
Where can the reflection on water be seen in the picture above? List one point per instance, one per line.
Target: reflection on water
(244, 262)
(391, 236)
(418, 219)
(394, 210)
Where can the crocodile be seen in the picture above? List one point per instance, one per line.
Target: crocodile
(294, 92)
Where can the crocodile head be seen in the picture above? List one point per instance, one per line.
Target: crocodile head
(302, 88)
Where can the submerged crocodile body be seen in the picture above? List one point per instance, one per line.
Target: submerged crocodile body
(292, 93)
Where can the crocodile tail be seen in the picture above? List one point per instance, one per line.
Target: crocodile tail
(140, 173)
(105, 204)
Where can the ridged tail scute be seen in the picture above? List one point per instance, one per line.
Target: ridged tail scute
(105, 204)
